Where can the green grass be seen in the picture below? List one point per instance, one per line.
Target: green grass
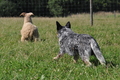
(34, 61)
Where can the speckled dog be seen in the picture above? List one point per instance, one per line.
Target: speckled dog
(76, 45)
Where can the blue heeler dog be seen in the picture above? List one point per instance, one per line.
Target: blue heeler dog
(77, 45)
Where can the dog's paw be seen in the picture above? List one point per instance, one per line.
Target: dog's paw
(55, 58)
(89, 65)
(103, 64)
(74, 61)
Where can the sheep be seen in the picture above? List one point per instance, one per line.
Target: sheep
(29, 32)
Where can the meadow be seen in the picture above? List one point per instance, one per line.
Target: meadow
(34, 60)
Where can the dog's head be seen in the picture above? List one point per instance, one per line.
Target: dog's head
(63, 29)
(59, 27)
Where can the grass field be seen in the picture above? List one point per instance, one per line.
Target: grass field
(34, 61)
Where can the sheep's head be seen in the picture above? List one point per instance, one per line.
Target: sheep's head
(26, 14)
(23, 14)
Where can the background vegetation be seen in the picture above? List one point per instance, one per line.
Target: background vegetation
(55, 7)
(34, 61)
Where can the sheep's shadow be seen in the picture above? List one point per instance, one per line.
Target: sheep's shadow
(43, 40)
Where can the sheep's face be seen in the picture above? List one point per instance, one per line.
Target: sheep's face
(26, 14)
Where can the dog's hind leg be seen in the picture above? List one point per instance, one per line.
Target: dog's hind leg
(85, 57)
(87, 62)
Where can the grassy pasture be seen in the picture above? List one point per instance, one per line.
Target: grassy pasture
(34, 61)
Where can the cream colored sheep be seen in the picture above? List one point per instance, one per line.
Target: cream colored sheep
(29, 32)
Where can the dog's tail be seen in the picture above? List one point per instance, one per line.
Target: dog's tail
(97, 52)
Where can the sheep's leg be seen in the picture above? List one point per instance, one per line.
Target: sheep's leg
(36, 36)
(22, 39)
(36, 39)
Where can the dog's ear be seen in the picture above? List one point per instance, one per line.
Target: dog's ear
(68, 25)
(58, 26)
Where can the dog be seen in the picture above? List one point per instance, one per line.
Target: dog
(77, 45)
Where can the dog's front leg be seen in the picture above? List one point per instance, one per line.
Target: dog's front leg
(61, 52)
(58, 56)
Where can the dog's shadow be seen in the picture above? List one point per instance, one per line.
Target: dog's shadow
(108, 63)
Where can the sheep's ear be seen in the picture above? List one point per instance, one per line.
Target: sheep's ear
(23, 14)
(31, 13)
(68, 25)
(58, 26)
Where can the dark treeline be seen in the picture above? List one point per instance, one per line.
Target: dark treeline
(10, 8)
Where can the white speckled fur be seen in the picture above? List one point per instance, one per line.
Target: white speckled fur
(77, 45)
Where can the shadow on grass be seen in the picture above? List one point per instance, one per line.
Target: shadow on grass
(43, 40)
(108, 63)
(111, 64)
